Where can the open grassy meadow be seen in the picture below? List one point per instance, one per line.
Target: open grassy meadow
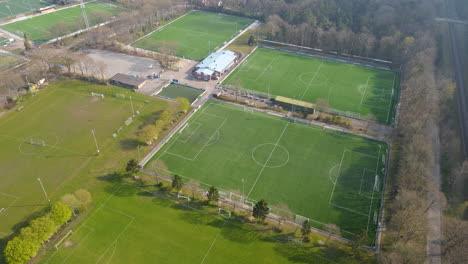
(195, 35)
(49, 137)
(7, 61)
(174, 91)
(345, 88)
(131, 226)
(316, 173)
(10, 8)
(48, 26)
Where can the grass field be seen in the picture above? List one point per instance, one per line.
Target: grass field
(10, 8)
(327, 176)
(3, 41)
(196, 34)
(174, 91)
(349, 89)
(7, 61)
(61, 117)
(45, 27)
(130, 227)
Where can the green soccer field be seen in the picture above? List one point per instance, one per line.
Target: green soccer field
(130, 227)
(45, 27)
(174, 91)
(50, 138)
(324, 175)
(12, 8)
(196, 34)
(345, 88)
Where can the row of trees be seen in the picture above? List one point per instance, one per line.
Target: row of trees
(27, 243)
(151, 132)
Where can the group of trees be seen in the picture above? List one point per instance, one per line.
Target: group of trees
(151, 132)
(27, 243)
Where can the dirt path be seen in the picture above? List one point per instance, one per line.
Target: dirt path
(434, 234)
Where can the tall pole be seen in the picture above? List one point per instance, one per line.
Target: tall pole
(243, 189)
(131, 103)
(95, 141)
(43, 189)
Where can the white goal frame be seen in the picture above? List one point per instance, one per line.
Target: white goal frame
(2, 209)
(97, 94)
(183, 197)
(69, 233)
(224, 213)
(39, 142)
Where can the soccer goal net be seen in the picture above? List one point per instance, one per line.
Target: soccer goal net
(37, 142)
(1, 210)
(69, 233)
(97, 94)
(183, 197)
(248, 110)
(224, 213)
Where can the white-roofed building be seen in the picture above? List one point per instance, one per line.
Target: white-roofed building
(215, 65)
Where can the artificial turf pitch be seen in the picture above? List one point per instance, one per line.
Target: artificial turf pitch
(174, 91)
(61, 116)
(349, 89)
(11, 8)
(196, 34)
(45, 27)
(317, 173)
(131, 226)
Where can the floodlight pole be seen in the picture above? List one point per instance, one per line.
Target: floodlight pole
(131, 103)
(43, 189)
(243, 189)
(95, 141)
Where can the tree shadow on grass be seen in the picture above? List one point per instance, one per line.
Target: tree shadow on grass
(238, 234)
(129, 144)
(196, 218)
(113, 177)
(300, 254)
(121, 190)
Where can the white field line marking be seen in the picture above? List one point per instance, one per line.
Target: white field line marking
(193, 132)
(114, 242)
(330, 171)
(391, 99)
(264, 70)
(313, 78)
(212, 243)
(75, 248)
(204, 146)
(365, 90)
(373, 191)
(268, 159)
(351, 210)
(158, 29)
(362, 179)
(338, 175)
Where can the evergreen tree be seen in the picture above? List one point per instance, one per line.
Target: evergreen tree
(177, 182)
(27, 44)
(261, 210)
(213, 194)
(305, 230)
(132, 167)
(251, 41)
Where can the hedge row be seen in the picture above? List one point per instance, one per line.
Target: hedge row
(26, 244)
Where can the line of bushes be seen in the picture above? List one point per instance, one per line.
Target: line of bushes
(27, 243)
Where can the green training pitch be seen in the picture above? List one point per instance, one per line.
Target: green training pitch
(196, 34)
(321, 174)
(133, 227)
(50, 138)
(64, 21)
(12, 8)
(349, 89)
(174, 91)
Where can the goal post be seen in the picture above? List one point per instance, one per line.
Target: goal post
(97, 94)
(37, 142)
(69, 233)
(224, 213)
(183, 197)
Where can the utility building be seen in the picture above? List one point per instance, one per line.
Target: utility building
(127, 81)
(215, 65)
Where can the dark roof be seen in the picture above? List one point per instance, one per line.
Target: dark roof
(127, 79)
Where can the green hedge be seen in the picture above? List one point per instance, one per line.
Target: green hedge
(26, 244)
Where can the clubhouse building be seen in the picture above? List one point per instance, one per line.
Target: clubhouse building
(215, 65)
